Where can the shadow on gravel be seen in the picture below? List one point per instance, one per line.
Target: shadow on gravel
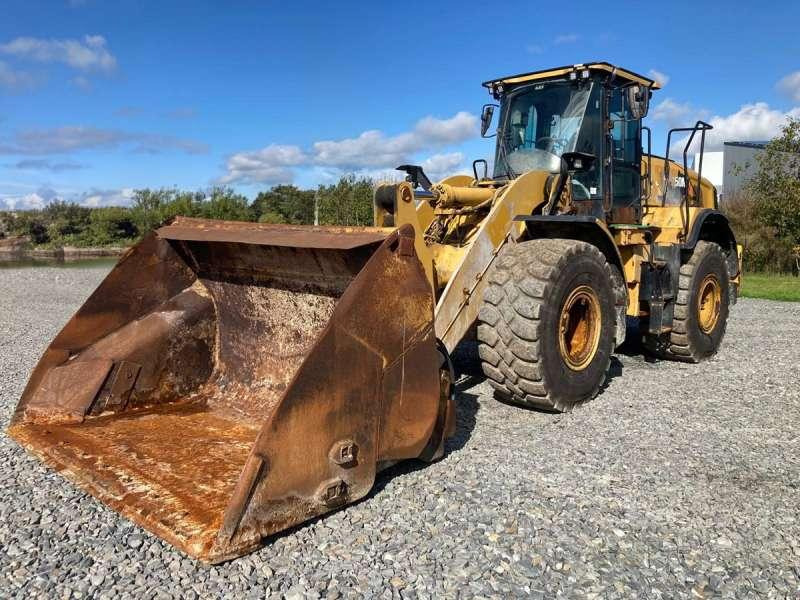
(633, 346)
(466, 363)
(466, 411)
(468, 372)
(466, 360)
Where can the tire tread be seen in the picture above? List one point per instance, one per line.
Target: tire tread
(510, 320)
(677, 345)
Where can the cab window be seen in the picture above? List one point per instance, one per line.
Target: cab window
(625, 151)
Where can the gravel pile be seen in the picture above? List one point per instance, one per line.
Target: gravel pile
(677, 481)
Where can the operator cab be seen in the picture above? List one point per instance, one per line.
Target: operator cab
(589, 115)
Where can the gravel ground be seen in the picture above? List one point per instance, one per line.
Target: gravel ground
(677, 481)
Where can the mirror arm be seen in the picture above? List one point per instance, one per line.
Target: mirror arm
(563, 176)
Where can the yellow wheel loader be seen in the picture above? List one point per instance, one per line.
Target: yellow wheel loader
(227, 381)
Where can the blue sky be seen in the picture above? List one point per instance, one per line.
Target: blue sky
(98, 98)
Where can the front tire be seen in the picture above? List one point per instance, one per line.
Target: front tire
(547, 326)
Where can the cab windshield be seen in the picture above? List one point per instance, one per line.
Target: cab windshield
(540, 123)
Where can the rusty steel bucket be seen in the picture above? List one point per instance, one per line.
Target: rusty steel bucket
(229, 380)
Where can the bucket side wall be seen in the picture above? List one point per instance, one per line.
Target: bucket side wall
(146, 276)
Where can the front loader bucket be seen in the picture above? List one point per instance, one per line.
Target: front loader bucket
(229, 380)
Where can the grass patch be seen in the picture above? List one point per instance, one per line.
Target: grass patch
(771, 286)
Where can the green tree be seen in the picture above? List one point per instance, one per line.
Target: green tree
(30, 223)
(182, 203)
(150, 207)
(271, 217)
(348, 202)
(65, 221)
(284, 204)
(775, 187)
(112, 225)
(224, 203)
(37, 231)
(763, 250)
(25, 223)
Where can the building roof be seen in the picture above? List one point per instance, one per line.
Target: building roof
(757, 145)
(593, 66)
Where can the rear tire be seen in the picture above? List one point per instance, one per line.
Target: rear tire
(701, 308)
(546, 328)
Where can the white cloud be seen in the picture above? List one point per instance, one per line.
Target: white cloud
(661, 78)
(87, 54)
(64, 139)
(269, 165)
(13, 79)
(371, 151)
(32, 200)
(439, 166)
(458, 128)
(76, 137)
(94, 197)
(97, 197)
(752, 122)
(673, 113)
(790, 86)
(48, 194)
(374, 149)
(26, 202)
(566, 38)
(534, 49)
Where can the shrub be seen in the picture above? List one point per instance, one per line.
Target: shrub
(764, 248)
(111, 225)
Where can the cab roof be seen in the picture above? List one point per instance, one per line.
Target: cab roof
(558, 71)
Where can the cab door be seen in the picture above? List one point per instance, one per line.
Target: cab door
(625, 152)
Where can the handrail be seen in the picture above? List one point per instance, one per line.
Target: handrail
(702, 127)
(649, 164)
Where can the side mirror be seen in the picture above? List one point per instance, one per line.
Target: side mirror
(486, 118)
(638, 100)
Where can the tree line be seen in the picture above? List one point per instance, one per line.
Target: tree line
(347, 202)
(765, 215)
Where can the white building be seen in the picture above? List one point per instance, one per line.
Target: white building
(713, 163)
(730, 168)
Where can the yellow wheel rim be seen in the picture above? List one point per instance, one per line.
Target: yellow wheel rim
(709, 301)
(579, 328)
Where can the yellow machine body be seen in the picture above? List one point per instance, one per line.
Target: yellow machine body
(464, 221)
